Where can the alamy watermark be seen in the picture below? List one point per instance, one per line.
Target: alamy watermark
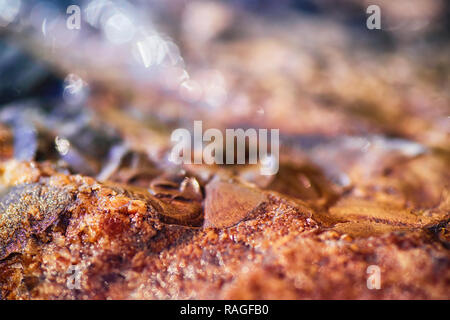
(374, 278)
(191, 150)
(374, 20)
(74, 280)
(74, 19)
(74, 16)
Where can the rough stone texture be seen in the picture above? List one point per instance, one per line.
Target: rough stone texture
(117, 241)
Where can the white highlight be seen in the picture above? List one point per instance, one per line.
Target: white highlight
(155, 51)
(8, 11)
(119, 28)
(75, 89)
(62, 145)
